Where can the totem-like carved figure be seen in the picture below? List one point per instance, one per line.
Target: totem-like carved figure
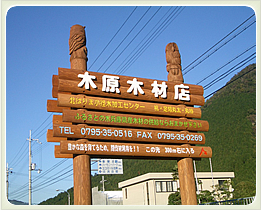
(173, 63)
(77, 43)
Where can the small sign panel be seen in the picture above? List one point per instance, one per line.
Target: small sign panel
(110, 166)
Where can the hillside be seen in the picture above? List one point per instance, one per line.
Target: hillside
(231, 113)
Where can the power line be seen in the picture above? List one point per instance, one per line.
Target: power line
(226, 64)
(20, 158)
(171, 17)
(133, 39)
(44, 130)
(54, 180)
(18, 153)
(41, 175)
(230, 82)
(125, 38)
(21, 193)
(46, 182)
(58, 180)
(42, 123)
(185, 72)
(113, 36)
(143, 40)
(222, 76)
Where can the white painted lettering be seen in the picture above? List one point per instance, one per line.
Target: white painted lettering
(61, 129)
(183, 94)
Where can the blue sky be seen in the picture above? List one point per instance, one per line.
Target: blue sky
(37, 44)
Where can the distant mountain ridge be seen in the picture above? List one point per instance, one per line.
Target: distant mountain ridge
(15, 202)
(231, 113)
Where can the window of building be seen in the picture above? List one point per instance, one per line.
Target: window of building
(158, 186)
(169, 187)
(166, 186)
(126, 193)
(175, 186)
(221, 184)
(148, 195)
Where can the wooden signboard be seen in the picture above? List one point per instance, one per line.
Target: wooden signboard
(72, 74)
(51, 138)
(81, 131)
(126, 106)
(53, 107)
(72, 87)
(57, 153)
(131, 150)
(116, 86)
(107, 115)
(105, 108)
(130, 120)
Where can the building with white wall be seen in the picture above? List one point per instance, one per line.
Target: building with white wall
(106, 197)
(154, 188)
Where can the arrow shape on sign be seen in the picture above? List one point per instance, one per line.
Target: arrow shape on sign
(202, 151)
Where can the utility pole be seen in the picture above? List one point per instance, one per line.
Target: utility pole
(103, 181)
(8, 170)
(30, 165)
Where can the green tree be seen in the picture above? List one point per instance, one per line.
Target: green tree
(222, 192)
(205, 196)
(175, 173)
(174, 198)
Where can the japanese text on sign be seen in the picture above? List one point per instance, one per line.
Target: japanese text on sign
(129, 133)
(138, 121)
(128, 148)
(74, 100)
(110, 166)
(111, 84)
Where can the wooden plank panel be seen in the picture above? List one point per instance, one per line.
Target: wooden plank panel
(72, 74)
(134, 150)
(53, 107)
(136, 121)
(126, 134)
(72, 86)
(55, 80)
(51, 138)
(58, 119)
(57, 153)
(127, 106)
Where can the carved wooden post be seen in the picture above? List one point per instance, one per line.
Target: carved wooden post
(185, 165)
(81, 163)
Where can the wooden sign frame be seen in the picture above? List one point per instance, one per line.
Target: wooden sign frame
(83, 131)
(102, 108)
(131, 150)
(126, 106)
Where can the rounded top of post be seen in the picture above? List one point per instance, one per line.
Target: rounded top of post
(77, 28)
(173, 63)
(77, 38)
